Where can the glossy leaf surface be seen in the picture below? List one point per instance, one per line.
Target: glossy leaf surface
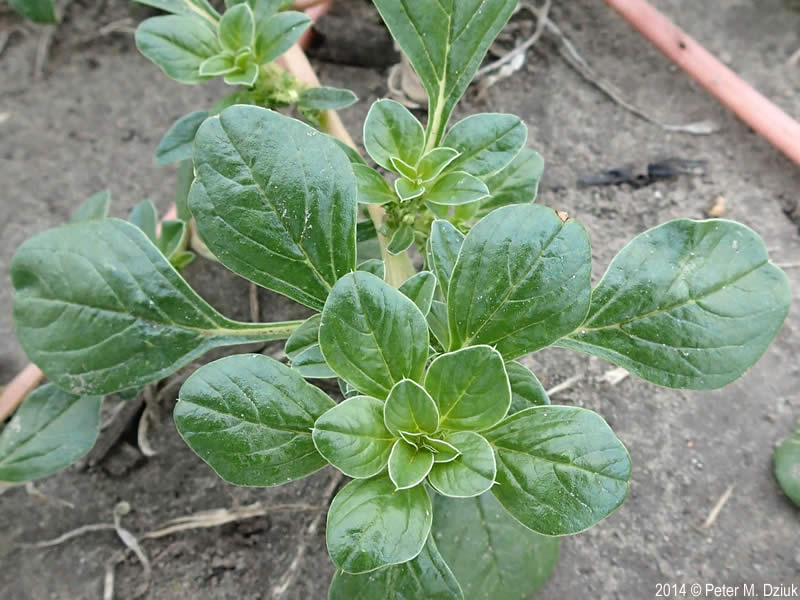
(457, 188)
(392, 131)
(197, 8)
(275, 35)
(470, 474)
(372, 187)
(93, 208)
(445, 244)
(237, 28)
(487, 142)
(410, 409)
(409, 465)
(419, 289)
(250, 418)
(526, 390)
(178, 44)
(304, 352)
(787, 466)
(401, 240)
(326, 98)
(176, 145)
(518, 183)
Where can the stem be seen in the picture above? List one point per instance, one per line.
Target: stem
(398, 267)
(16, 391)
(263, 332)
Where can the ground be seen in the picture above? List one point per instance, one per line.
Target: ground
(92, 122)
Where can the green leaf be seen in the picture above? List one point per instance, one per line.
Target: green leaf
(437, 321)
(470, 474)
(353, 438)
(372, 187)
(372, 336)
(487, 142)
(365, 232)
(246, 76)
(185, 179)
(374, 266)
(326, 98)
(176, 145)
(237, 28)
(181, 259)
(526, 391)
(173, 238)
(522, 281)
(445, 244)
(457, 188)
(99, 309)
(304, 352)
(283, 219)
(470, 388)
(96, 207)
(275, 35)
(408, 190)
(410, 409)
(391, 131)
(372, 525)
(49, 431)
(145, 217)
(42, 12)
(493, 556)
(518, 183)
(250, 418)
(219, 64)
(409, 465)
(352, 153)
(426, 576)
(445, 41)
(689, 304)
(401, 240)
(419, 289)
(178, 45)
(200, 8)
(434, 162)
(560, 469)
(404, 169)
(787, 466)
(442, 451)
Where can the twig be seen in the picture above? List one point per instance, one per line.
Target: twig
(793, 265)
(130, 541)
(291, 573)
(19, 388)
(712, 516)
(144, 419)
(31, 489)
(42, 50)
(566, 384)
(65, 537)
(255, 308)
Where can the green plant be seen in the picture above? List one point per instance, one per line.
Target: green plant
(787, 466)
(441, 430)
(42, 12)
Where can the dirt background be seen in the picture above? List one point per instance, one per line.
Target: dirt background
(93, 122)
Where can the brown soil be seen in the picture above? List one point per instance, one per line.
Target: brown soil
(93, 121)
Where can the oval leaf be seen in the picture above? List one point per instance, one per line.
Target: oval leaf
(275, 35)
(492, 555)
(250, 418)
(178, 44)
(560, 469)
(445, 244)
(457, 188)
(487, 142)
(372, 525)
(176, 145)
(304, 352)
(237, 28)
(419, 289)
(470, 388)
(353, 438)
(391, 131)
(283, 219)
(326, 98)
(521, 282)
(401, 240)
(518, 183)
(526, 390)
(410, 409)
(689, 304)
(99, 309)
(471, 473)
(372, 187)
(49, 431)
(371, 335)
(434, 162)
(409, 465)
(787, 466)
(426, 576)
(95, 207)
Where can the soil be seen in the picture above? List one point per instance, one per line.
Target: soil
(93, 121)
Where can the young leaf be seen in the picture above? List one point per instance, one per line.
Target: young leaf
(185, 179)
(493, 556)
(445, 244)
(374, 266)
(373, 525)
(283, 219)
(408, 190)
(787, 466)
(470, 387)
(250, 418)
(99, 309)
(526, 391)
(371, 335)
(353, 438)
(178, 45)
(457, 188)
(304, 352)
(434, 162)
(426, 576)
(145, 217)
(518, 183)
(419, 289)
(410, 409)
(173, 238)
(437, 321)
(522, 281)
(96, 207)
(409, 465)
(246, 77)
(176, 145)
(372, 187)
(392, 131)
(237, 28)
(560, 469)
(50, 430)
(445, 41)
(326, 98)
(275, 35)
(442, 451)
(404, 169)
(401, 240)
(201, 8)
(42, 12)
(219, 64)
(487, 142)
(689, 304)
(471, 473)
